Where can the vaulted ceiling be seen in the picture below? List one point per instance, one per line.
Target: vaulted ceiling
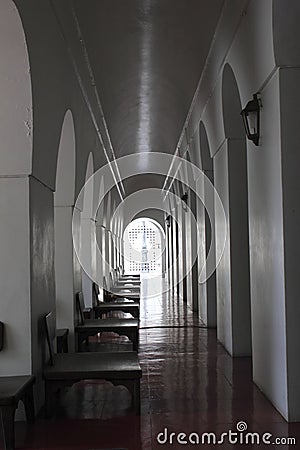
(147, 57)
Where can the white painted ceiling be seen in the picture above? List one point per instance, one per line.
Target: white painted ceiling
(147, 57)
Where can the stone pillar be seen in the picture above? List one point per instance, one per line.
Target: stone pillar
(193, 275)
(64, 275)
(233, 285)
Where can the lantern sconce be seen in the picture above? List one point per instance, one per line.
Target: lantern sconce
(251, 119)
(185, 198)
(168, 221)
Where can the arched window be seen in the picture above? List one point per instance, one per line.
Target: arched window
(144, 242)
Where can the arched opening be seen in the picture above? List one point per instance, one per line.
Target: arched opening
(100, 235)
(64, 198)
(207, 291)
(144, 244)
(87, 230)
(16, 133)
(16, 117)
(233, 277)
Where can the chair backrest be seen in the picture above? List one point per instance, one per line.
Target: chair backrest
(80, 306)
(105, 291)
(111, 280)
(96, 293)
(50, 327)
(104, 284)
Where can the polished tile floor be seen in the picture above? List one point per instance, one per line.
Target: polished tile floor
(189, 385)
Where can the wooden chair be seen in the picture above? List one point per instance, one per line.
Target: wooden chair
(116, 286)
(65, 369)
(122, 274)
(12, 390)
(86, 328)
(114, 295)
(100, 308)
(136, 281)
(133, 277)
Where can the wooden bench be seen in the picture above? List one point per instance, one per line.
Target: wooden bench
(12, 390)
(124, 284)
(86, 328)
(114, 294)
(123, 305)
(119, 280)
(124, 275)
(65, 369)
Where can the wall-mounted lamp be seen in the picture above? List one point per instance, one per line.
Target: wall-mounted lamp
(185, 198)
(168, 221)
(251, 119)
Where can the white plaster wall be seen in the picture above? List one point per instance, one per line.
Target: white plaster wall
(213, 119)
(239, 247)
(188, 257)
(289, 83)
(245, 40)
(202, 292)
(66, 161)
(42, 266)
(266, 253)
(223, 278)
(16, 133)
(15, 276)
(251, 55)
(64, 269)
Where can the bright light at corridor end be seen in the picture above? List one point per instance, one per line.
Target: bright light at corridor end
(89, 253)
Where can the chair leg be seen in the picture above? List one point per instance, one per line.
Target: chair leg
(8, 425)
(135, 340)
(28, 401)
(49, 399)
(137, 397)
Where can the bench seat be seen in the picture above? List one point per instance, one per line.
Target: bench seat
(120, 368)
(127, 307)
(65, 369)
(123, 327)
(90, 327)
(112, 365)
(12, 390)
(126, 293)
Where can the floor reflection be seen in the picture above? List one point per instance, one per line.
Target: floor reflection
(190, 384)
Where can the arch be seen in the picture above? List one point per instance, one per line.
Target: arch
(100, 231)
(66, 164)
(88, 228)
(16, 117)
(152, 214)
(206, 159)
(231, 105)
(64, 199)
(88, 195)
(233, 273)
(144, 244)
(207, 291)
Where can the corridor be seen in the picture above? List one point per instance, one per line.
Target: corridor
(184, 113)
(190, 385)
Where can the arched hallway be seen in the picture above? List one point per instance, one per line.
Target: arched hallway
(190, 385)
(184, 112)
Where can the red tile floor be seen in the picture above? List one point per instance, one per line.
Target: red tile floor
(189, 385)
